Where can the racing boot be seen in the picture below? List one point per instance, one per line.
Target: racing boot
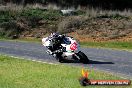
(49, 52)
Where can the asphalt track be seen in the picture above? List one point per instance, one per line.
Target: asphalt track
(117, 62)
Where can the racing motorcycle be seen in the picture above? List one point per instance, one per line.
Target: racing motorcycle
(69, 49)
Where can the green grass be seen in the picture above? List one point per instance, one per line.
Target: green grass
(19, 73)
(34, 40)
(114, 44)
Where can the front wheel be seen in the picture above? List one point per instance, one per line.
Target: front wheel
(83, 58)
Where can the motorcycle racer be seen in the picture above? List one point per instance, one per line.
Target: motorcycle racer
(63, 48)
(53, 42)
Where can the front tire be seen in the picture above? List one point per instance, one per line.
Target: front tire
(83, 58)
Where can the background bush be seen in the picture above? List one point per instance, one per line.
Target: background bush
(36, 22)
(13, 23)
(70, 24)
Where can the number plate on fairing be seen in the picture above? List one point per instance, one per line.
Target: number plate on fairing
(73, 46)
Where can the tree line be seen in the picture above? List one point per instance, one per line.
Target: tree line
(104, 4)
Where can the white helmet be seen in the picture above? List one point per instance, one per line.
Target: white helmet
(54, 35)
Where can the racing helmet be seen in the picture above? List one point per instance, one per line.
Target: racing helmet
(54, 35)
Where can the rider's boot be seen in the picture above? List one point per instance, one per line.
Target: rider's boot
(49, 52)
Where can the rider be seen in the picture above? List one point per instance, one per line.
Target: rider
(55, 41)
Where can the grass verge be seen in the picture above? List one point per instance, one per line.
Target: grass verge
(19, 73)
(34, 40)
(112, 44)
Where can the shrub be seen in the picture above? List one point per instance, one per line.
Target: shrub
(10, 29)
(41, 13)
(70, 24)
(7, 15)
(2, 33)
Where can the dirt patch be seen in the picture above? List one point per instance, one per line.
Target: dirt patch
(86, 38)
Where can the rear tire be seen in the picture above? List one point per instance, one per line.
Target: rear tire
(83, 58)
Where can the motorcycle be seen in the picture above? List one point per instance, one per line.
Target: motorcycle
(69, 49)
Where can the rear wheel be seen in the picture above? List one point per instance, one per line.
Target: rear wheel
(83, 58)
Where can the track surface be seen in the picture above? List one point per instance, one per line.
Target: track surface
(118, 62)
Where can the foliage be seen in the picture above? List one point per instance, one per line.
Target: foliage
(70, 24)
(42, 13)
(36, 22)
(6, 16)
(15, 22)
(10, 29)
